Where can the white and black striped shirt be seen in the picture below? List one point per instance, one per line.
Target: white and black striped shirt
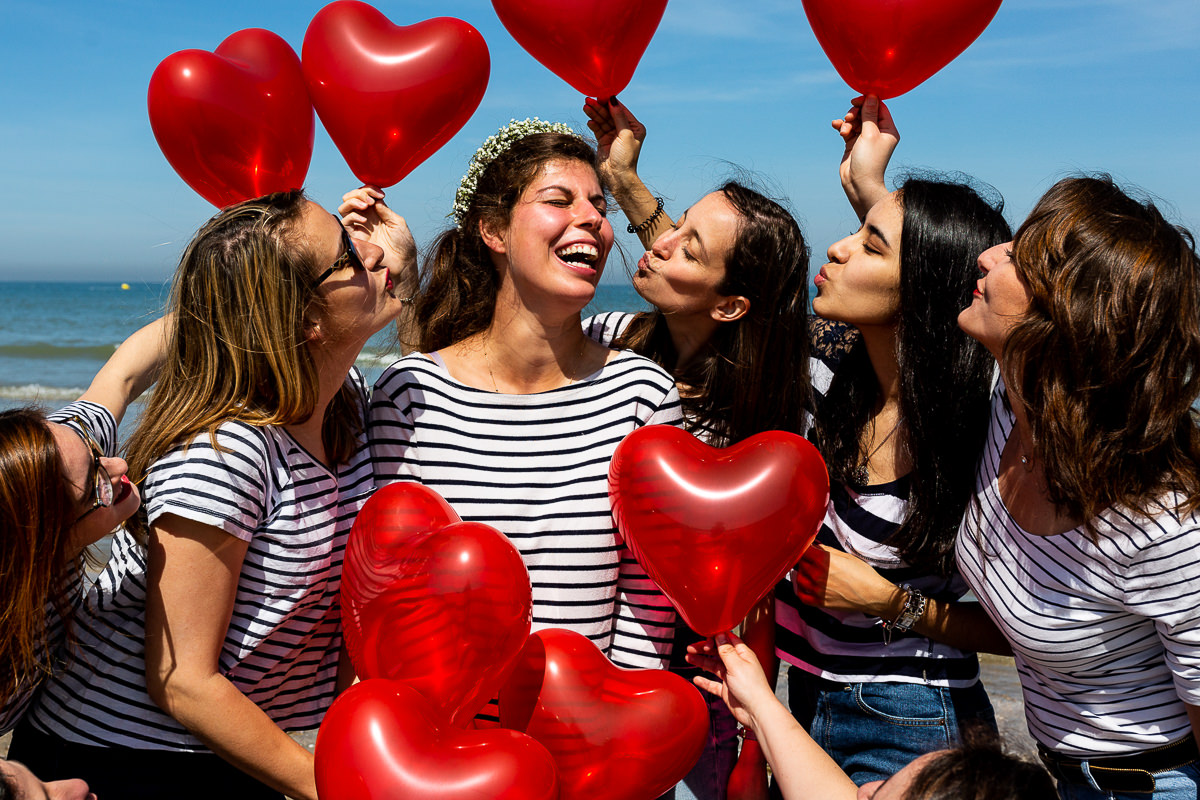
(847, 646)
(535, 467)
(103, 428)
(1107, 633)
(281, 649)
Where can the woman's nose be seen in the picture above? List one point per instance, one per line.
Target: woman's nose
(839, 250)
(114, 466)
(371, 254)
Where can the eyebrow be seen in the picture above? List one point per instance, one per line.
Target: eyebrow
(874, 231)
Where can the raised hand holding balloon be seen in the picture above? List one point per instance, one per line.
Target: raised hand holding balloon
(442, 604)
(716, 528)
(235, 123)
(381, 740)
(594, 45)
(887, 47)
(390, 96)
(615, 734)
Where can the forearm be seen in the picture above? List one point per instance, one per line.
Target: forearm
(639, 205)
(130, 370)
(238, 731)
(864, 193)
(963, 625)
(801, 768)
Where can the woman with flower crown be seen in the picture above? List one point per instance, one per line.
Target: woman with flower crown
(507, 409)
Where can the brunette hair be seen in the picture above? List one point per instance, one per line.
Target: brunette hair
(981, 771)
(752, 375)
(945, 375)
(37, 562)
(236, 346)
(1106, 361)
(459, 291)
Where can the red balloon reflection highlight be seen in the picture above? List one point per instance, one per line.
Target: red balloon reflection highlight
(887, 47)
(390, 96)
(594, 45)
(616, 734)
(716, 528)
(235, 123)
(441, 604)
(382, 740)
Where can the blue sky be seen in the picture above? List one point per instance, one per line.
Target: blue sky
(1053, 86)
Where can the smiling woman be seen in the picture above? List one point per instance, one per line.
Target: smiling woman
(528, 410)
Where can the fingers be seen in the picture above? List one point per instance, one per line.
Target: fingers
(708, 685)
(360, 199)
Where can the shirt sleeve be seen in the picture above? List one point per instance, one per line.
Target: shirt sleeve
(1163, 584)
(99, 420)
(390, 426)
(227, 486)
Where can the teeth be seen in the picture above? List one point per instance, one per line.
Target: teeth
(586, 253)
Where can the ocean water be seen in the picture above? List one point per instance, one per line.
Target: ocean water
(55, 336)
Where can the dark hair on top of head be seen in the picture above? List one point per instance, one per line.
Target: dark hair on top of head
(752, 375)
(1106, 361)
(460, 282)
(37, 562)
(945, 375)
(980, 770)
(237, 346)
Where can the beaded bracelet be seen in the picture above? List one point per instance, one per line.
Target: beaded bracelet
(648, 221)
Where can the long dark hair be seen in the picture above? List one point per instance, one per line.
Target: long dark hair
(458, 294)
(981, 770)
(945, 375)
(1106, 361)
(37, 562)
(752, 375)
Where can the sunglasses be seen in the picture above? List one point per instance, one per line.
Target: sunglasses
(349, 257)
(101, 481)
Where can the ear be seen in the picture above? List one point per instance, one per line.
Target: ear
(492, 238)
(730, 308)
(312, 329)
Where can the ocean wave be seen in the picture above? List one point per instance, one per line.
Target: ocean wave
(36, 393)
(369, 359)
(40, 351)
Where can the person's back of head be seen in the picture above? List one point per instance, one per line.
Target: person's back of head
(981, 771)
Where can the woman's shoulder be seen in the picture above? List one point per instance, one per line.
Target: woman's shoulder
(628, 364)
(607, 326)
(100, 422)
(419, 367)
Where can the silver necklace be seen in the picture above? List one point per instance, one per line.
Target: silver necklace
(859, 474)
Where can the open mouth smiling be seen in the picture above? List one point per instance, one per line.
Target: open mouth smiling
(583, 255)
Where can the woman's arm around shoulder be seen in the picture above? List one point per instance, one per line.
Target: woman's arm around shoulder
(130, 370)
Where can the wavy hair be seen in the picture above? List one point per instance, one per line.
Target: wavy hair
(236, 348)
(752, 375)
(981, 770)
(945, 375)
(1106, 361)
(37, 512)
(460, 286)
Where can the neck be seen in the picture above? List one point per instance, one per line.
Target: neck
(881, 350)
(333, 364)
(524, 355)
(689, 334)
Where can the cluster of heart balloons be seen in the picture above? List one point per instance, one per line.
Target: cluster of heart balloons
(238, 122)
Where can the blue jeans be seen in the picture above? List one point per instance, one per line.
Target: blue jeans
(1176, 784)
(709, 779)
(872, 730)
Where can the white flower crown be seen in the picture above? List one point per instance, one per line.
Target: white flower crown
(491, 149)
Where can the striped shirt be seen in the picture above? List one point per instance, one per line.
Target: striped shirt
(282, 646)
(1106, 634)
(847, 646)
(535, 467)
(103, 428)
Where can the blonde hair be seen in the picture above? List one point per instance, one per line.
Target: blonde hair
(236, 347)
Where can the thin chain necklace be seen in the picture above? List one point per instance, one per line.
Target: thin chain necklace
(487, 358)
(859, 474)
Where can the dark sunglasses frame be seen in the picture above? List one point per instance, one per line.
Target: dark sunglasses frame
(350, 254)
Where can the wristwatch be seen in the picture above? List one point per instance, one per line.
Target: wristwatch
(914, 607)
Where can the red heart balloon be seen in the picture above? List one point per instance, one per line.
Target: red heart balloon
(594, 45)
(716, 528)
(390, 96)
(617, 734)
(235, 123)
(887, 47)
(441, 604)
(381, 740)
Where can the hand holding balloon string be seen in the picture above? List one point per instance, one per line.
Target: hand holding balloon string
(619, 137)
(741, 683)
(871, 137)
(828, 578)
(364, 212)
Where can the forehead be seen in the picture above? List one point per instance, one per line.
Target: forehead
(887, 214)
(569, 173)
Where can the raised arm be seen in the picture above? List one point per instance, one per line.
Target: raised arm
(193, 579)
(800, 766)
(619, 138)
(366, 215)
(130, 370)
(871, 137)
(827, 578)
